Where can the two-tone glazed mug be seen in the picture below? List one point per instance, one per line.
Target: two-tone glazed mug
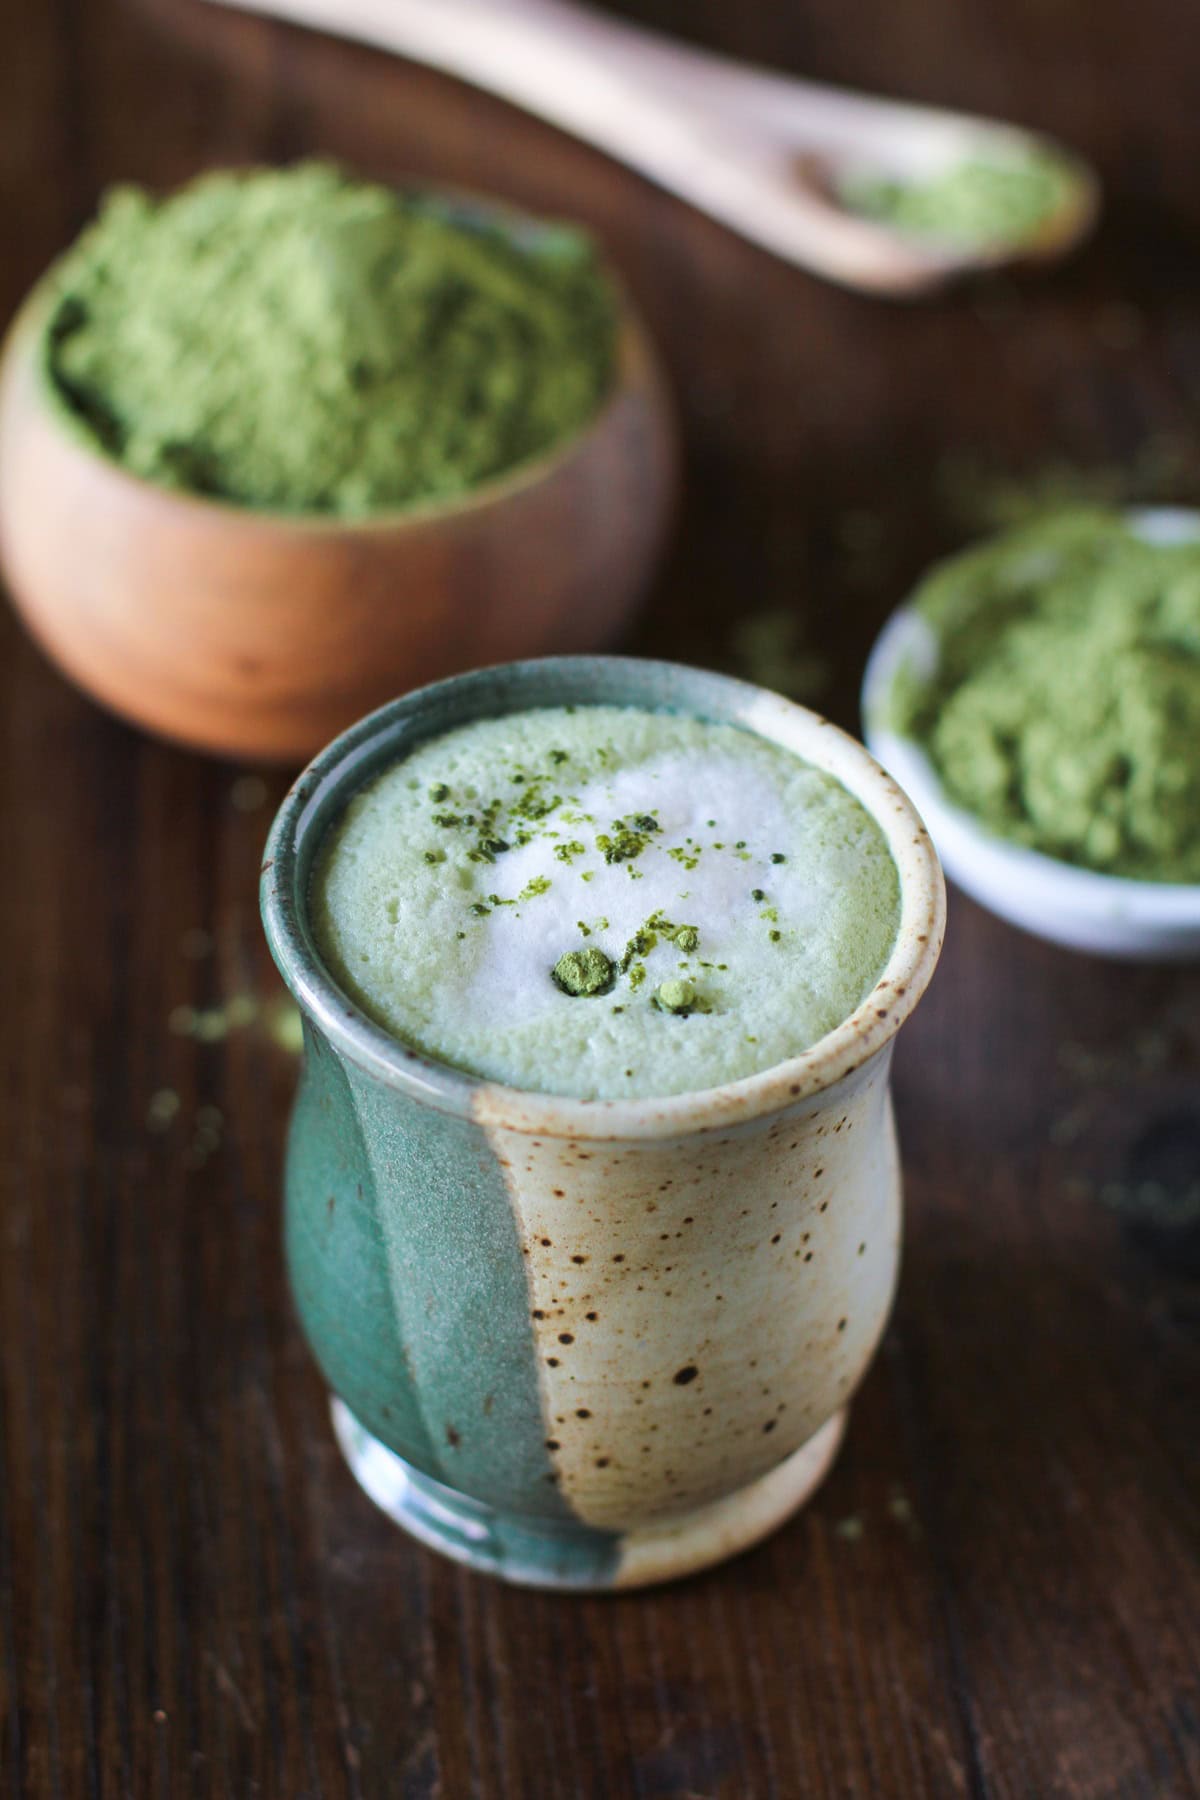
(591, 1344)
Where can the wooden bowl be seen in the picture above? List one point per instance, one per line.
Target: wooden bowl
(260, 635)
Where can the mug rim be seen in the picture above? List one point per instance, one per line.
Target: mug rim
(324, 787)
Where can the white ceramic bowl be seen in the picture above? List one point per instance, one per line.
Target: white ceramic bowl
(1105, 914)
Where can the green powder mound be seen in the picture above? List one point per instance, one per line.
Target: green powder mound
(300, 341)
(970, 204)
(1065, 712)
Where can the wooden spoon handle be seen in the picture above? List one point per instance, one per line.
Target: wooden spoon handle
(494, 41)
(733, 140)
(589, 75)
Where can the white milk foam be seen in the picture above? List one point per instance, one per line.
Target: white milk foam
(475, 988)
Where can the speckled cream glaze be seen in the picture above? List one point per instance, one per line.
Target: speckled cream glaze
(603, 1342)
(703, 1305)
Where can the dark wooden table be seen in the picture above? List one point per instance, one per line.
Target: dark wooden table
(997, 1591)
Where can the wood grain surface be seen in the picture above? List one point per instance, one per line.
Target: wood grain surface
(997, 1592)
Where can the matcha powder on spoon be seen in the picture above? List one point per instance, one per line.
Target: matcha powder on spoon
(300, 341)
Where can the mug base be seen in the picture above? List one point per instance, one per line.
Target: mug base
(546, 1554)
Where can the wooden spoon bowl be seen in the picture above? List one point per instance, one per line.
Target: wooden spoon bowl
(260, 635)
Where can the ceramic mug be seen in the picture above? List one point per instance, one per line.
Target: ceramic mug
(590, 1344)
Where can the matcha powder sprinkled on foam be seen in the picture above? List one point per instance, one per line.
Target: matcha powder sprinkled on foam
(614, 970)
(297, 340)
(582, 973)
(1065, 712)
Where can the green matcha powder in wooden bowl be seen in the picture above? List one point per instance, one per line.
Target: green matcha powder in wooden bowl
(300, 341)
(277, 447)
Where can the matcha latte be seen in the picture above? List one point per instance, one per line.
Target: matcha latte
(605, 902)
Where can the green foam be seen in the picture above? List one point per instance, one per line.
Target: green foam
(745, 901)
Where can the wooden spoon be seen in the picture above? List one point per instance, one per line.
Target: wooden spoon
(263, 635)
(762, 152)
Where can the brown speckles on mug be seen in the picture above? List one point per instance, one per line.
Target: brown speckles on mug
(685, 1375)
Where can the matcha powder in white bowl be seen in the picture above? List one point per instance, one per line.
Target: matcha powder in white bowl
(1039, 699)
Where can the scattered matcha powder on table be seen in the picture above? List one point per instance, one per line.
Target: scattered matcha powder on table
(301, 341)
(1065, 711)
(975, 495)
(770, 648)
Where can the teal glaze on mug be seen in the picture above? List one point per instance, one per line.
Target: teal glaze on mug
(591, 1344)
